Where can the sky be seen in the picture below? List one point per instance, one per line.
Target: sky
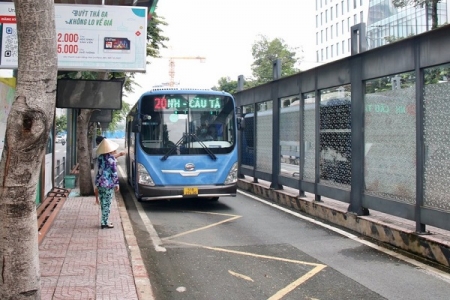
(223, 32)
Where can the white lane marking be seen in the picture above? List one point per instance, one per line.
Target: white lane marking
(241, 276)
(147, 223)
(427, 269)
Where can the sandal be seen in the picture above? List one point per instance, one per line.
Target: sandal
(107, 226)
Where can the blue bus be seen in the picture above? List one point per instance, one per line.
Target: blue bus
(182, 143)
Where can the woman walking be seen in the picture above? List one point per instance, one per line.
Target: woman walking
(106, 181)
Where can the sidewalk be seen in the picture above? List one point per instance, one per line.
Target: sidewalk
(79, 260)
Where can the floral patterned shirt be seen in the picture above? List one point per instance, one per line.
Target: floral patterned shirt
(107, 171)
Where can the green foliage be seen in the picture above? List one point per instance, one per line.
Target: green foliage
(403, 3)
(265, 52)
(119, 116)
(155, 42)
(61, 124)
(226, 85)
(436, 74)
(155, 38)
(391, 39)
(383, 84)
(230, 86)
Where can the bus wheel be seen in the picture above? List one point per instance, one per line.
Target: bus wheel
(213, 199)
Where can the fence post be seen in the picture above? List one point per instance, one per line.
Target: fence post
(420, 155)
(276, 69)
(64, 170)
(357, 121)
(58, 170)
(358, 41)
(276, 127)
(240, 83)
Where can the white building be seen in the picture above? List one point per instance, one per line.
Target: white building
(384, 22)
(60, 112)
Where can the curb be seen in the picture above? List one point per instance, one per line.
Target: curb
(140, 275)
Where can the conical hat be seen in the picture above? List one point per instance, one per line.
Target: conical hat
(107, 146)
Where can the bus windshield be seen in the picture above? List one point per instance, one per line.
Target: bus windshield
(187, 124)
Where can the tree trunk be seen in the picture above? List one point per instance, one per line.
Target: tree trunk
(84, 145)
(92, 133)
(84, 160)
(434, 14)
(28, 125)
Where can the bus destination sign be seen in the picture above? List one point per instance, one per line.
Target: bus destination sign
(194, 103)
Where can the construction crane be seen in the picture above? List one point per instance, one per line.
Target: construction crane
(172, 65)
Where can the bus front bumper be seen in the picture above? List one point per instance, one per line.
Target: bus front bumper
(178, 192)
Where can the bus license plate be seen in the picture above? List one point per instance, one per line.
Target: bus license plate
(190, 191)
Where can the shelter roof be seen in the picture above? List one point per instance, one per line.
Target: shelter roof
(151, 4)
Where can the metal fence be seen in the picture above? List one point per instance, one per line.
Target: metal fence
(371, 130)
(60, 172)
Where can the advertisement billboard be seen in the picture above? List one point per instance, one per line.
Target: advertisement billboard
(89, 37)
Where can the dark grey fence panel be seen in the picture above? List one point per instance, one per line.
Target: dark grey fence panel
(399, 209)
(399, 130)
(434, 47)
(333, 74)
(289, 87)
(263, 92)
(307, 80)
(334, 193)
(387, 60)
(435, 218)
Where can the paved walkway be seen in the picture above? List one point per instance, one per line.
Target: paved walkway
(81, 261)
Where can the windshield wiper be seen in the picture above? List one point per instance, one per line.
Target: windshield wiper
(173, 148)
(211, 154)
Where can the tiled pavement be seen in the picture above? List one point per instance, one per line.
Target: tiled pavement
(79, 260)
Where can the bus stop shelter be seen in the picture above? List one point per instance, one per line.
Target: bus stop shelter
(137, 38)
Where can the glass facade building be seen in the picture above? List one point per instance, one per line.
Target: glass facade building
(384, 23)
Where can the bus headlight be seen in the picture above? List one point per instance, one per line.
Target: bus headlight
(232, 176)
(143, 176)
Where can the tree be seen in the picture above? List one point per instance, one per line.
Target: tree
(154, 35)
(265, 52)
(119, 116)
(61, 124)
(230, 86)
(27, 130)
(84, 150)
(422, 3)
(226, 84)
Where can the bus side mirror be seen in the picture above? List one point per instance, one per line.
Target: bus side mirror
(240, 123)
(136, 125)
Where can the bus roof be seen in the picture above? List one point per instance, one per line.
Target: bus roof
(176, 90)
